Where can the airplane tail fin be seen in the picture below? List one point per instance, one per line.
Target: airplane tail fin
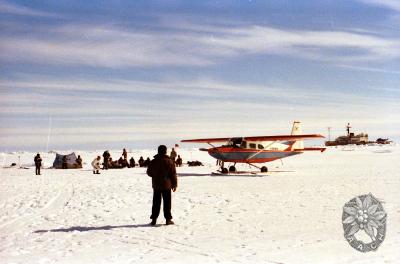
(296, 130)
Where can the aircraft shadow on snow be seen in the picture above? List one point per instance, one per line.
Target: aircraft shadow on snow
(239, 174)
(90, 228)
(218, 175)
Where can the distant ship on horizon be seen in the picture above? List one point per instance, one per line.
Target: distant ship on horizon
(350, 138)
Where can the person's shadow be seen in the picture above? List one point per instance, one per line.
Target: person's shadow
(90, 228)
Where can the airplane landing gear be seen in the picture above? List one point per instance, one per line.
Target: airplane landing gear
(262, 169)
(232, 169)
(224, 170)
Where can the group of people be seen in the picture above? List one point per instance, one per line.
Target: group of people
(109, 163)
(176, 160)
(123, 161)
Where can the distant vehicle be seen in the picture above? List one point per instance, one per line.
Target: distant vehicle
(383, 141)
(258, 149)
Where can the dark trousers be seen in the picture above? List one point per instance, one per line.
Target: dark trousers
(166, 196)
(37, 171)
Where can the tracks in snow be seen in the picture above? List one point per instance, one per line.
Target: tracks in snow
(56, 203)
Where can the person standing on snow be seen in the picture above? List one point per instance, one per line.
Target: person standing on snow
(173, 155)
(106, 157)
(164, 179)
(96, 165)
(125, 154)
(38, 163)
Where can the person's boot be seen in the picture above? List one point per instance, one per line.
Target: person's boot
(169, 222)
(153, 222)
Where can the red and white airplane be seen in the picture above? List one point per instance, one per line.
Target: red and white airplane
(259, 149)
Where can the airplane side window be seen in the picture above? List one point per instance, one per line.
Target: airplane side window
(260, 146)
(252, 146)
(243, 144)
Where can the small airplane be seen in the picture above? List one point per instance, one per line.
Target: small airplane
(258, 149)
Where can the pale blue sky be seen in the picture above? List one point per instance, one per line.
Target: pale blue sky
(113, 74)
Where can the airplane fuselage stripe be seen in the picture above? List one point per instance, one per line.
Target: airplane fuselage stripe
(248, 156)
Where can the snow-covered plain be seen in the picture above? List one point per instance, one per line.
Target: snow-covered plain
(291, 215)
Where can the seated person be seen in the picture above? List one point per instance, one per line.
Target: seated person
(115, 165)
(146, 163)
(178, 161)
(132, 162)
(123, 162)
(79, 161)
(110, 162)
(141, 161)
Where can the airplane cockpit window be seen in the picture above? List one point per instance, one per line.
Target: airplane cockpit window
(252, 145)
(243, 144)
(260, 146)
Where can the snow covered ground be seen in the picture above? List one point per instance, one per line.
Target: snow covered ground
(291, 215)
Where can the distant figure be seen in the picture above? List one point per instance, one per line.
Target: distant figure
(64, 162)
(110, 163)
(173, 155)
(38, 163)
(348, 129)
(178, 161)
(164, 179)
(125, 154)
(123, 162)
(146, 163)
(106, 158)
(79, 160)
(96, 165)
(132, 162)
(141, 161)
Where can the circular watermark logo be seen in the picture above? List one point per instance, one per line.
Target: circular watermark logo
(364, 222)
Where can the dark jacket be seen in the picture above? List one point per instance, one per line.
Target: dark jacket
(38, 161)
(163, 173)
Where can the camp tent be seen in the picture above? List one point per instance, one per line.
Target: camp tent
(71, 161)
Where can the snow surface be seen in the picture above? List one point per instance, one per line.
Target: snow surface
(291, 215)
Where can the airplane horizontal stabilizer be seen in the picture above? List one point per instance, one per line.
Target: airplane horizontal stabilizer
(311, 149)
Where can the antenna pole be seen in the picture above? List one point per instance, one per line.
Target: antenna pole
(329, 133)
(348, 129)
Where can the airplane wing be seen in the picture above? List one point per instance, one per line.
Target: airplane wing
(259, 138)
(206, 140)
(283, 137)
